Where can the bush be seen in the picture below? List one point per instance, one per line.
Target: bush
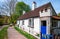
(38, 35)
(27, 35)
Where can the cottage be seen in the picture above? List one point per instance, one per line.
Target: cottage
(39, 20)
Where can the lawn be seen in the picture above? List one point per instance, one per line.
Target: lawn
(3, 33)
(27, 35)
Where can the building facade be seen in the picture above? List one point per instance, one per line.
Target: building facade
(38, 20)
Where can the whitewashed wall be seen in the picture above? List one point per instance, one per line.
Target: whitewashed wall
(20, 24)
(17, 22)
(37, 25)
(45, 13)
(48, 25)
(50, 12)
(34, 30)
(26, 23)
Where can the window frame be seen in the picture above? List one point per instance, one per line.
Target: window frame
(31, 22)
(23, 22)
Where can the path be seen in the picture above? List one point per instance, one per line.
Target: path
(13, 34)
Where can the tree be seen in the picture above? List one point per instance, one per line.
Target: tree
(58, 14)
(8, 6)
(20, 6)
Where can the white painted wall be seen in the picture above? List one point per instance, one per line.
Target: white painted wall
(17, 22)
(48, 26)
(20, 22)
(34, 30)
(37, 25)
(45, 13)
(50, 12)
(26, 23)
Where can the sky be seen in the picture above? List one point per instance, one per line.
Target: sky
(55, 3)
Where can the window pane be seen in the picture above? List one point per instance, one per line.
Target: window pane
(29, 21)
(23, 22)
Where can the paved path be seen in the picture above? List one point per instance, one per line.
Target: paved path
(13, 34)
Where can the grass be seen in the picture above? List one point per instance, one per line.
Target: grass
(27, 35)
(3, 33)
(38, 35)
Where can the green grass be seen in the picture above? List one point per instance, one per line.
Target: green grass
(3, 33)
(27, 35)
(38, 35)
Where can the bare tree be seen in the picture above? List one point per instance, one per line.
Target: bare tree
(8, 6)
(11, 5)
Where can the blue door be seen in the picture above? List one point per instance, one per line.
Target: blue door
(43, 29)
(43, 32)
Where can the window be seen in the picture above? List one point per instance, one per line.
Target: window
(31, 22)
(19, 22)
(46, 10)
(23, 22)
(41, 11)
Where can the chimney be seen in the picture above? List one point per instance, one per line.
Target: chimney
(23, 12)
(33, 5)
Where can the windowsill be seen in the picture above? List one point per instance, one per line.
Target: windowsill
(31, 26)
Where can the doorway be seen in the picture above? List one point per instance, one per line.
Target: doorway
(43, 29)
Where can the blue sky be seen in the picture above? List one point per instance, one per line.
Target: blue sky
(55, 3)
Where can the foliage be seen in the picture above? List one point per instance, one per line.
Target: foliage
(20, 6)
(1, 21)
(3, 33)
(4, 20)
(38, 35)
(59, 14)
(29, 36)
(14, 18)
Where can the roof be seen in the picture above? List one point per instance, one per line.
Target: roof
(56, 17)
(35, 12)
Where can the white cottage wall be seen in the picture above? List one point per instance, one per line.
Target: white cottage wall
(36, 28)
(36, 25)
(17, 22)
(43, 14)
